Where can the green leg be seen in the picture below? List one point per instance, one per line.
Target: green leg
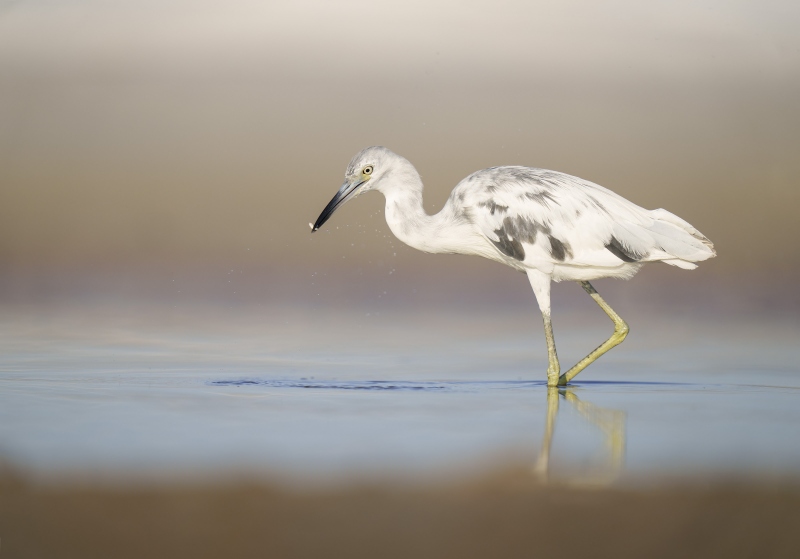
(541, 288)
(553, 368)
(620, 332)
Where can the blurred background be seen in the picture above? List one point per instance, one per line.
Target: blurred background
(167, 319)
(175, 151)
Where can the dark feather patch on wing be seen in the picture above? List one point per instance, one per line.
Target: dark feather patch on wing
(493, 206)
(559, 250)
(542, 197)
(623, 253)
(508, 246)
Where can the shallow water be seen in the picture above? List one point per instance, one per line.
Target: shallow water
(305, 397)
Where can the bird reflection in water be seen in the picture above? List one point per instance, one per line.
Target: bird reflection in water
(611, 424)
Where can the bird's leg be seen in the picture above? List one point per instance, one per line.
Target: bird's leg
(541, 288)
(553, 368)
(620, 332)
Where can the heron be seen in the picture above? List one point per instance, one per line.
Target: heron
(550, 225)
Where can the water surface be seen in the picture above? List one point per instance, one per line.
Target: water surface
(310, 396)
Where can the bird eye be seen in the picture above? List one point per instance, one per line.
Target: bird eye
(367, 170)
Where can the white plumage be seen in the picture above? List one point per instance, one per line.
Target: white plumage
(550, 225)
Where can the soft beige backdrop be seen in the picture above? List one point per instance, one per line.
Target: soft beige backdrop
(145, 143)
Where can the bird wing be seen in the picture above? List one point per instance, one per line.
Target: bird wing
(537, 216)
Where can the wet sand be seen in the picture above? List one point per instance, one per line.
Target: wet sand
(503, 516)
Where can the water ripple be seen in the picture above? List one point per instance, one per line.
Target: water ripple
(449, 386)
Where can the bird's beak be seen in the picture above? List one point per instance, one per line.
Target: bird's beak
(345, 193)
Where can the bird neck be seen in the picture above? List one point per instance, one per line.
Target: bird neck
(407, 218)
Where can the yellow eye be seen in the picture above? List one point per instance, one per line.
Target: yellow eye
(367, 170)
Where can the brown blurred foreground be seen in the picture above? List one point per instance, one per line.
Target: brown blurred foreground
(504, 517)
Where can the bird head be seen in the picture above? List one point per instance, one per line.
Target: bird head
(364, 173)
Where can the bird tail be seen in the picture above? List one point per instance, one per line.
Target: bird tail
(680, 240)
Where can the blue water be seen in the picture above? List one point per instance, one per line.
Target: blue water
(128, 393)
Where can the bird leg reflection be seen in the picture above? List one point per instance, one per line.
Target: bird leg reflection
(540, 468)
(620, 332)
(611, 422)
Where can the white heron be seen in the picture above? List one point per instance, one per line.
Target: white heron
(550, 225)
